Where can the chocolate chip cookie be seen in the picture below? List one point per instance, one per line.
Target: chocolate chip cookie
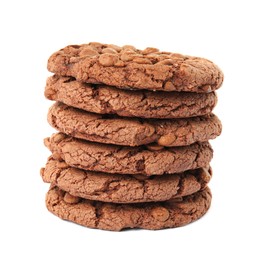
(149, 160)
(104, 99)
(128, 67)
(132, 132)
(115, 217)
(119, 188)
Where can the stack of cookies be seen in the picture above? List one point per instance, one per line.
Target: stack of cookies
(132, 149)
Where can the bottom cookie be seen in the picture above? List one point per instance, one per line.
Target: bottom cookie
(115, 217)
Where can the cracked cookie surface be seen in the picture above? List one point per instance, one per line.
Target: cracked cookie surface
(119, 188)
(115, 217)
(132, 131)
(103, 99)
(128, 160)
(128, 67)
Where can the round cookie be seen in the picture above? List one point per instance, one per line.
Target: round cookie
(132, 131)
(120, 188)
(103, 99)
(115, 217)
(151, 160)
(128, 67)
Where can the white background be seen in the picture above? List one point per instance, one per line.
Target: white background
(227, 32)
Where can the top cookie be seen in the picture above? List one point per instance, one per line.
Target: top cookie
(127, 67)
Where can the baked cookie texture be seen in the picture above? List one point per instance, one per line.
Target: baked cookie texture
(128, 160)
(132, 148)
(132, 131)
(127, 67)
(116, 217)
(104, 99)
(120, 188)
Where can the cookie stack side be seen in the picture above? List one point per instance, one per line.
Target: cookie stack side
(132, 149)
